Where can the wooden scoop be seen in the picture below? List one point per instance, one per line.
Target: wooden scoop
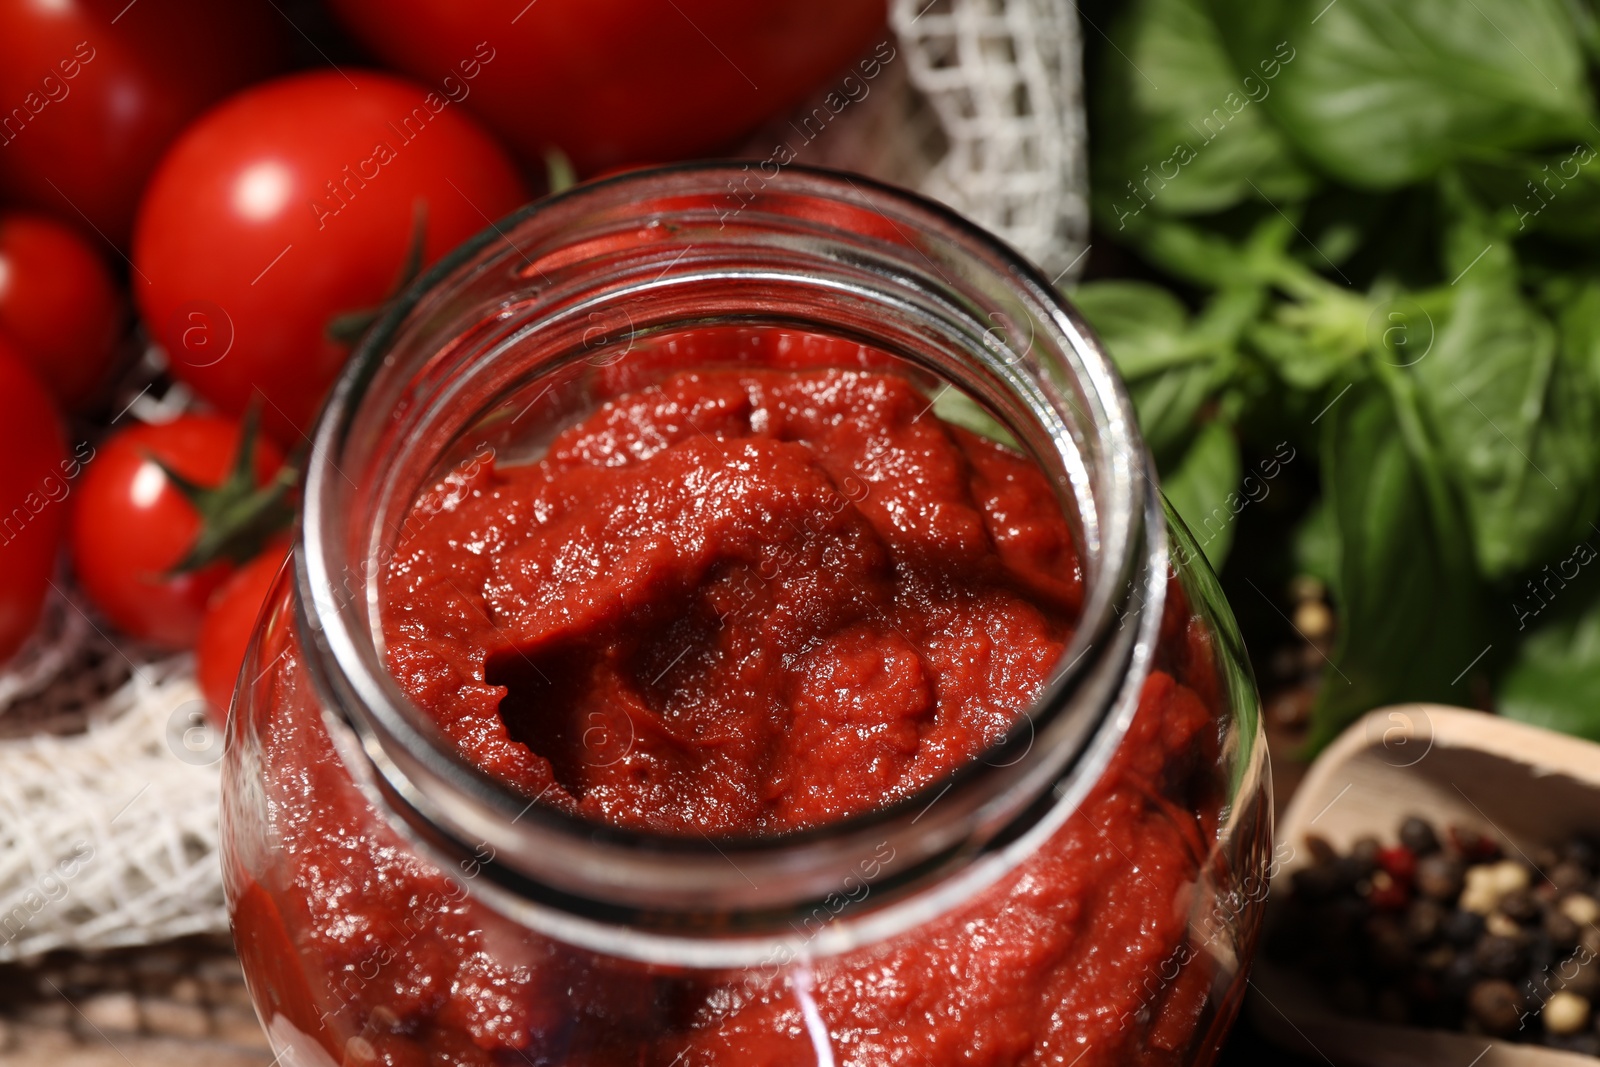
(1520, 783)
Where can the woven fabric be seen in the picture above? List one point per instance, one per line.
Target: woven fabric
(108, 798)
(108, 835)
(1004, 78)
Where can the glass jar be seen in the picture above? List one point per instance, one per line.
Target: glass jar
(1086, 890)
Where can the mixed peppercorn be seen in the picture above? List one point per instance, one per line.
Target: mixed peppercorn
(1453, 933)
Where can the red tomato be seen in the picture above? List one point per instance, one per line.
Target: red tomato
(622, 81)
(58, 302)
(229, 623)
(131, 525)
(35, 477)
(291, 204)
(93, 91)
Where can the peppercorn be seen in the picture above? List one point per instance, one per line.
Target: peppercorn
(1543, 857)
(1389, 943)
(1423, 921)
(1318, 882)
(1584, 852)
(1399, 862)
(1364, 854)
(1580, 974)
(1581, 909)
(1496, 1006)
(1459, 976)
(1463, 928)
(1560, 928)
(1568, 877)
(1565, 1013)
(1385, 893)
(1499, 957)
(1439, 877)
(1540, 953)
(1520, 905)
(1417, 834)
(1319, 849)
(1476, 847)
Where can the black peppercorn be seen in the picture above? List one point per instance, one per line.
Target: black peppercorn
(1584, 852)
(1389, 943)
(1519, 904)
(1439, 876)
(1499, 957)
(1463, 928)
(1418, 835)
(1459, 976)
(1364, 855)
(1319, 849)
(1423, 921)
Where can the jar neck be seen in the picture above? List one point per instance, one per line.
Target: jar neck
(516, 319)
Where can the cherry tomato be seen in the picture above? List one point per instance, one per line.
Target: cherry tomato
(93, 91)
(59, 304)
(132, 525)
(35, 477)
(229, 622)
(294, 203)
(624, 81)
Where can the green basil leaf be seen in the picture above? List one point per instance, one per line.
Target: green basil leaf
(1555, 193)
(1580, 329)
(1173, 365)
(1515, 412)
(1405, 591)
(1380, 93)
(1553, 679)
(1167, 406)
(1179, 130)
(1144, 327)
(1203, 488)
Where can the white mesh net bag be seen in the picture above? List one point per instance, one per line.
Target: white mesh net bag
(108, 773)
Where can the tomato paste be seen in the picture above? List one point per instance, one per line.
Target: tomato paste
(734, 602)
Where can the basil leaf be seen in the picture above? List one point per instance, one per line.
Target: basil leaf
(1203, 488)
(1180, 131)
(1144, 327)
(1405, 591)
(1553, 679)
(1556, 194)
(1515, 413)
(1380, 93)
(1173, 365)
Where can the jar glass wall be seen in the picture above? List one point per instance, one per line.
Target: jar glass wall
(1084, 888)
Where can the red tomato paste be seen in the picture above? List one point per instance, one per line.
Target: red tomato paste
(736, 602)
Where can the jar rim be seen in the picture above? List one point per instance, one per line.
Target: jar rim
(443, 801)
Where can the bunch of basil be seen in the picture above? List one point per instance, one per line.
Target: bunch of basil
(1375, 225)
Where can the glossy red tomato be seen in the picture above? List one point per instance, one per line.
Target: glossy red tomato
(93, 91)
(229, 623)
(58, 304)
(291, 204)
(132, 525)
(36, 476)
(621, 81)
